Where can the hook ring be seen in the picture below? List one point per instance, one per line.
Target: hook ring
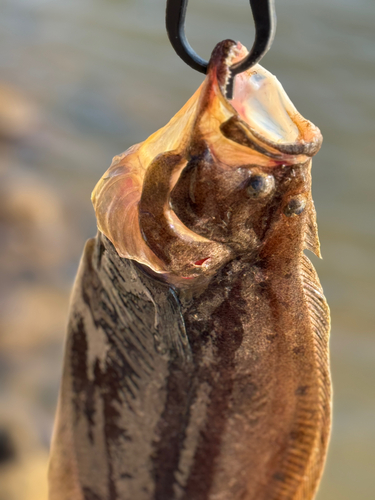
(265, 26)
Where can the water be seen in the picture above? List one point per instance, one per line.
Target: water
(99, 76)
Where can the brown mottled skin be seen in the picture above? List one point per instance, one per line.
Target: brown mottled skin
(217, 389)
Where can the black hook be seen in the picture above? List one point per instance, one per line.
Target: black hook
(265, 25)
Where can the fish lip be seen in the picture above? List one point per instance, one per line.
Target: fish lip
(296, 148)
(291, 148)
(220, 61)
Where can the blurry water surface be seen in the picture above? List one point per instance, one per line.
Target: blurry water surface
(80, 81)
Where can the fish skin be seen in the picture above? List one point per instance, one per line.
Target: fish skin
(206, 381)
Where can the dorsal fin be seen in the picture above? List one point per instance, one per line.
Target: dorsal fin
(311, 232)
(320, 324)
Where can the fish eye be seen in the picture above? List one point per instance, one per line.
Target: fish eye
(295, 206)
(260, 185)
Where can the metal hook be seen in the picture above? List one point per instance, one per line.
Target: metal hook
(265, 25)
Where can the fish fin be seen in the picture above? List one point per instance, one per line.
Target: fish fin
(320, 323)
(311, 233)
(316, 302)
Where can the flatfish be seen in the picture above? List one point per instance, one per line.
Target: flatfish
(196, 363)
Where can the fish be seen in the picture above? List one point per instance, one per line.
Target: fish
(196, 362)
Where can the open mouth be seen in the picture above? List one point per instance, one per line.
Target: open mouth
(265, 118)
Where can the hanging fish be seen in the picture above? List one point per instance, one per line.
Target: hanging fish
(196, 364)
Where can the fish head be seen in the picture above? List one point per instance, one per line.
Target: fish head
(224, 178)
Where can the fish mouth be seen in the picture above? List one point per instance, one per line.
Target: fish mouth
(263, 117)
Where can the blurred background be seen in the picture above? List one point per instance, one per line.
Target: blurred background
(81, 81)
